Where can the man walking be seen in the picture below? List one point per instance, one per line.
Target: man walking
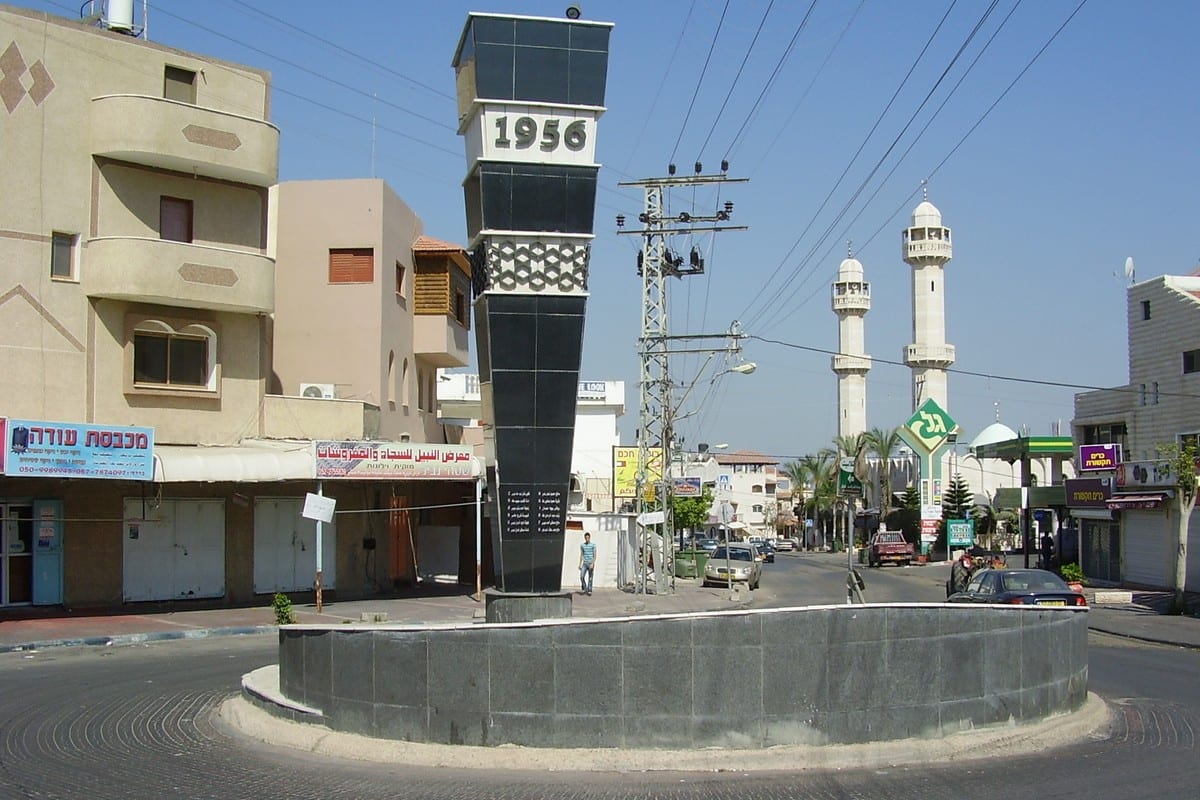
(587, 563)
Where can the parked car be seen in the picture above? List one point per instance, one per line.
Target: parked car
(707, 544)
(743, 566)
(785, 545)
(1028, 587)
(889, 546)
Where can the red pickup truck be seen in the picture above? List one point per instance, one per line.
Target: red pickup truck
(889, 546)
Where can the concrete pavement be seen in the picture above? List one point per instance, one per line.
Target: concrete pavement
(1134, 614)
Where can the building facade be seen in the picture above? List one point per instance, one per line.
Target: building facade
(1133, 536)
(144, 458)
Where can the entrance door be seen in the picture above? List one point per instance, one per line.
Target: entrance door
(177, 552)
(285, 556)
(16, 554)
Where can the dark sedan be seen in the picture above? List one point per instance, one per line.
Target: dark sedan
(1028, 587)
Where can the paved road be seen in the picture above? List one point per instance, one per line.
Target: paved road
(140, 722)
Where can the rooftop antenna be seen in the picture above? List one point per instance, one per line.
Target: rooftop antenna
(849, 248)
(924, 188)
(996, 403)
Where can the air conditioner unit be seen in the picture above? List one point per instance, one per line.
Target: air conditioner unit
(324, 391)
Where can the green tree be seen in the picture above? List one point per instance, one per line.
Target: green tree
(957, 500)
(884, 443)
(1182, 458)
(692, 512)
(800, 475)
(823, 468)
(907, 518)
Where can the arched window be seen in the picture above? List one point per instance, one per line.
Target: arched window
(405, 385)
(756, 488)
(165, 357)
(391, 379)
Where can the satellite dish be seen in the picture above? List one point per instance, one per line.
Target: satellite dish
(1129, 268)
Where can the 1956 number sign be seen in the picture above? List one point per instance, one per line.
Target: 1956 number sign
(525, 133)
(533, 134)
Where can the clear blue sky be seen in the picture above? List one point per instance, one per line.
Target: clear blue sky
(1090, 158)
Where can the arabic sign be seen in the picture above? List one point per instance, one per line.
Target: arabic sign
(1087, 492)
(1099, 457)
(40, 449)
(960, 532)
(392, 460)
(625, 471)
(1145, 473)
(929, 530)
(848, 484)
(687, 487)
(929, 426)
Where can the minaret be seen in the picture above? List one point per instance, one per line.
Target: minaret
(851, 302)
(926, 248)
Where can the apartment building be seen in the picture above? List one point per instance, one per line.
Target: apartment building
(1131, 534)
(145, 457)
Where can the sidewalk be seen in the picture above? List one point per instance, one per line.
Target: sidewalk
(1142, 618)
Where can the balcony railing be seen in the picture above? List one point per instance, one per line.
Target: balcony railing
(929, 355)
(179, 136)
(143, 270)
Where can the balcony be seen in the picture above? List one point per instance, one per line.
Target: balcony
(929, 355)
(921, 249)
(168, 134)
(850, 364)
(142, 270)
(440, 340)
(851, 301)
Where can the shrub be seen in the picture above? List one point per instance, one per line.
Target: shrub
(282, 604)
(1072, 573)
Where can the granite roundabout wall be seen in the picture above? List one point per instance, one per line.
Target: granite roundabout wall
(747, 678)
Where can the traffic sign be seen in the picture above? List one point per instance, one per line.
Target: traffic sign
(930, 425)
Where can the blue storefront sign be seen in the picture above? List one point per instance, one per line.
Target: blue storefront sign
(39, 449)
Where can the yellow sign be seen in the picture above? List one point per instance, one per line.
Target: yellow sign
(625, 472)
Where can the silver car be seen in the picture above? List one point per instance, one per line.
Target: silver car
(743, 567)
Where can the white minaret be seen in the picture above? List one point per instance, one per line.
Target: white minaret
(851, 302)
(926, 246)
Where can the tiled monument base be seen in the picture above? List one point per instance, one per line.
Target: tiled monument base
(748, 679)
(525, 606)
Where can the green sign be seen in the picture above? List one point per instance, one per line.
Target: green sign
(960, 532)
(848, 484)
(930, 425)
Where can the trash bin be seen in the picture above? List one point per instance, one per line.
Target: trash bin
(690, 563)
(862, 555)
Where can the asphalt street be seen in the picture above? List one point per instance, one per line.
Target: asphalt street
(141, 721)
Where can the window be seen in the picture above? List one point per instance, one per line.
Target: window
(62, 255)
(399, 279)
(756, 489)
(166, 358)
(351, 265)
(1154, 393)
(179, 84)
(460, 306)
(1191, 361)
(757, 509)
(1142, 394)
(1145, 309)
(175, 219)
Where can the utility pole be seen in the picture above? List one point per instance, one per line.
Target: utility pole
(657, 262)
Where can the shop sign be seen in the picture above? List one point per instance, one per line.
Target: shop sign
(1145, 473)
(40, 449)
(1087, 492)
(1099, 457)
(687, 487)
(395, 461)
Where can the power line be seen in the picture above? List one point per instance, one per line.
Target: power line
(699, 81)
(737, 76)
(974, 374)
(347, 51)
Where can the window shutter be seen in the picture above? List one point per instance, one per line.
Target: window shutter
(352, 265)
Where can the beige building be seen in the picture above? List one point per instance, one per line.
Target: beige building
(1134, 539)
(367, 307)
(144, 457)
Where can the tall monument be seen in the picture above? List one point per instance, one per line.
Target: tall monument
(851, 302)
(926, 248)
(530, 94)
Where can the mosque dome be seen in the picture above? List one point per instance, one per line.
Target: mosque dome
(850, 270)
(996, 432)
(926, 215)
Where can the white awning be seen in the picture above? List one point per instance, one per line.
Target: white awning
(258, 462)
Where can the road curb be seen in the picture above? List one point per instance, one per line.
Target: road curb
(136, 638)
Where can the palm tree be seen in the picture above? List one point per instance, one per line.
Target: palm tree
(820, 468)
(884, 443)
(800, 476)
